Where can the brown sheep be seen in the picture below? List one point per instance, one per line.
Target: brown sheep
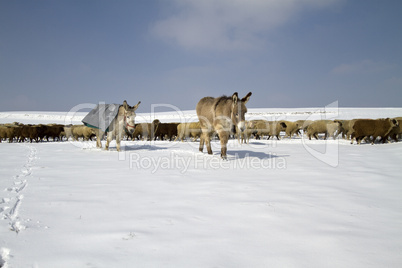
(344, 128)
(81, 131)
(349, 128)
(195, 130)
(372, 128)
(303, 125)
(261, 128)
(146, 130)
(292, 128)
(24, 132)
(31, 132)
(137, 132)
(396, 132)
(17, 132)
(253, 127)
(327, 127)
(53, 131)
(7, 132)
(3, 133)
(40, 131)
(269, 128)
(168, 130)
(185, 130)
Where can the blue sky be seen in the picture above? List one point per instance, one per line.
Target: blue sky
(55, 55)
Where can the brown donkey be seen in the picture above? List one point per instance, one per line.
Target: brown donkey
(221, 115)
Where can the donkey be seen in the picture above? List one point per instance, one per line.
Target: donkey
(221, 115)
(124, 122)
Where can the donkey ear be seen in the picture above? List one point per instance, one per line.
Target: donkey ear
(136, 106)
(246, 98)
(125, 105)
(235, 97)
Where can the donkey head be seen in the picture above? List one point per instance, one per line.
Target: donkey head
(129, 116)
(239, 110)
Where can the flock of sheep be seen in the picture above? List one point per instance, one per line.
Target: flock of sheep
(386, 129)
(356, 129)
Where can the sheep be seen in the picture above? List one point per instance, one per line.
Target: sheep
(334, 128)
(38, 132)
(3, 132)
(137, 132)
(168, 130)
(53, 131)
(195, 130)
(81, 131)
(68, 131)
(181, 131)
(7, 132)
(349, 128)
(292, 128)
(269, 128)
(276, 128)
(248, 131)
(23, 133)
(303, 125)
(146, 130)
(327, 127)
(261, 128)
(31, 132)
(396, 132)
(253, 127)
(372, 128)
(344, 128)
(185, 130)
(26, 132)
(16, 132)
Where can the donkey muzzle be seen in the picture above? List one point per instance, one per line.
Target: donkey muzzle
(241, 126)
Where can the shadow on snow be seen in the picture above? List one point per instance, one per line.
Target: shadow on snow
(247, 153)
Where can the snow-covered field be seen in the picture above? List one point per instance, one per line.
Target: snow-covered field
(287, 203)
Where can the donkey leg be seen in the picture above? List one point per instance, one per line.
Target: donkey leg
(202, 139)
(98, 142)
(205, 138)
(118, 143)
(108, 140)
(208, 143)
(99, 135)
(224, 137)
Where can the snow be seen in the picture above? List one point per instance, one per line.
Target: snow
(287, 203)
(176, 115)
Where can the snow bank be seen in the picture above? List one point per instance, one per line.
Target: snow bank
(176, 115)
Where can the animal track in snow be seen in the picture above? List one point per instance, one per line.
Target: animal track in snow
(9, 206)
